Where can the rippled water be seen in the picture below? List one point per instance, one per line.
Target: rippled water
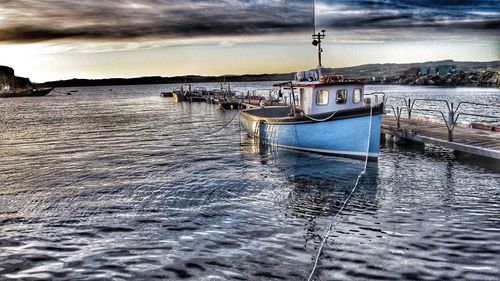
(124, 184)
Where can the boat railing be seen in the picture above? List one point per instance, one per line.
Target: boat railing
(179, 90)
(271, 96)
(224, 94)
(240, 95)
(449, 115)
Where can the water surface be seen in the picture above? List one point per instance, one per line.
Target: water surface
(117, 183)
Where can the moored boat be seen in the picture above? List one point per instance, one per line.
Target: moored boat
(180, 94)
(327, 114)
(188, 93)
(7, 92)
(40, 92)
(166, 94)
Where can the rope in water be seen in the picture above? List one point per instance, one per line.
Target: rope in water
(225, 125)
(345, 201)
(222, 107)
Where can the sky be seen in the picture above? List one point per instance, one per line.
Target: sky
(62, 39)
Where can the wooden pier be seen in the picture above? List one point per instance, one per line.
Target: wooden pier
(469, 140)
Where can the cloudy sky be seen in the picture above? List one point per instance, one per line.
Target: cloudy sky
(62, 39)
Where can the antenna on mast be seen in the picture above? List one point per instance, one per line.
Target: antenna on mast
(317, 42)
(317, 36)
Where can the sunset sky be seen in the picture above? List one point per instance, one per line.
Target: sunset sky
(63, 39)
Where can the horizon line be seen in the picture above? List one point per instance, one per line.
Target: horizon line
(256, 74)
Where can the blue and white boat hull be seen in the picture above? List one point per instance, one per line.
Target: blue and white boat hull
(344, 136)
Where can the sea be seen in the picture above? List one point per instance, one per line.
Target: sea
(118, 183)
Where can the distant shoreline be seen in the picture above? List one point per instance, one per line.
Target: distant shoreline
(488, 79)
(168, 80)
(469, 74)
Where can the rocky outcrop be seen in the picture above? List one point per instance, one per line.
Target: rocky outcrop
(7, 78)
(7, 71)
(471, 79)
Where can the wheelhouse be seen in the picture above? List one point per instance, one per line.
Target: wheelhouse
(316, 97)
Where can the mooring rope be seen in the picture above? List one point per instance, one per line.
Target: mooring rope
(225, 125)
(320, 120)
(346, 200)
(325, 119)
(221, 107)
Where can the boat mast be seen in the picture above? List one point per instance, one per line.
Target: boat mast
(317, 42)
(314, 16)
(317, 36)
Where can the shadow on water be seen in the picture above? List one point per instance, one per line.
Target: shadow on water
(319, 184)
(314, 170)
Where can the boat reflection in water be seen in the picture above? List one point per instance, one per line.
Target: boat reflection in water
(319, 184)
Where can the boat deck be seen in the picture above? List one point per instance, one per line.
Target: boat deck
(256, 103)
(276, 112)
(469, 140)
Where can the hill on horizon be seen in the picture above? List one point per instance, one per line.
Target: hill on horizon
(365, 71)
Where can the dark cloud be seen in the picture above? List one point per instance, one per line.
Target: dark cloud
(27, 20)
(38, 20)
(440, 15)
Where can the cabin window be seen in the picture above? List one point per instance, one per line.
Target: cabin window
(356, 95)
(322, 97)
(341, 96)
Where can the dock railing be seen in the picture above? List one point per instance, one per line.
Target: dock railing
(450, 117)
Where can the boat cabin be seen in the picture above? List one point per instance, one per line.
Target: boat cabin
(325, 94)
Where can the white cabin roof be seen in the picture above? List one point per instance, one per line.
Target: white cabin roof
(314, 84)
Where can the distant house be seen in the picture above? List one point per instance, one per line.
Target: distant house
(446, 69)
(423, 71)
(440, 69)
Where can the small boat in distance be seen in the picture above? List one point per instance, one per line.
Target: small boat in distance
(166, 94)
(188, 93)
(327, 114)
(8, 92)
